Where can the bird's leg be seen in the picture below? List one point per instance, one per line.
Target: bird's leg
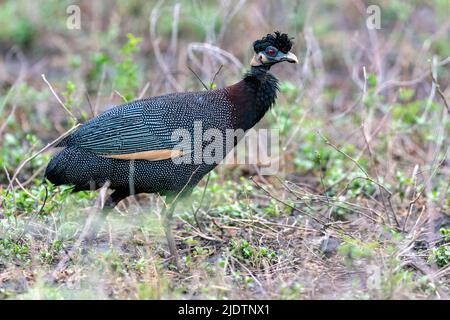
(96, 223)
(167, 214)
(94, 226)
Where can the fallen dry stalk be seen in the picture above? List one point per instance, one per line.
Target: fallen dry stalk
(48, 146)
(441, 94)
(58, 99)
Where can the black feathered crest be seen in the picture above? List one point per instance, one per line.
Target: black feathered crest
(279, 40)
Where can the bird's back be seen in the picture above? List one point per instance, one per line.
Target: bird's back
(155, 116)
(88, 160)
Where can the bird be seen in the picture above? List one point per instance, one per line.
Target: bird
(132, 146)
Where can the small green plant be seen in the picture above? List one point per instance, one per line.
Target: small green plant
(441, 254)
(126, 81)
(99, 62)
(293, 291)
(406, 93)
(71, 100)
(360, 186)
(394, 280)
(354, 249)
(253, 255)
(272, 209)
(69, 94)
(49, 256)
(16, 26)
(234, 210)
(139, 265)
(14, 250)
(200, 251)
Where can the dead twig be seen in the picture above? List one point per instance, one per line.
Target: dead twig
(153, 19)
(368, 177)
(198, 78)
(327, 223)
(440, 93)
(195, 212)
(48, 146)
(215, 76)
(58, 99)
(3, 126)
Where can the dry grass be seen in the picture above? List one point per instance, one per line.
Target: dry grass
(354, 212)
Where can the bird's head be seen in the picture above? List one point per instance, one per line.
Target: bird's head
(272, 49)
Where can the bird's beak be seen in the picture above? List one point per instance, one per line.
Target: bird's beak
(290, 57)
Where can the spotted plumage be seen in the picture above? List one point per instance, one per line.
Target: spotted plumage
(118, 145)
(134, 127)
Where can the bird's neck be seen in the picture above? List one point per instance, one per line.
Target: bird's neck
(252, 97)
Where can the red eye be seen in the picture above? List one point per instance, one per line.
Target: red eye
(271, 52)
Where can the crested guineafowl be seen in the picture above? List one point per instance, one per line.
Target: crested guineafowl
(132, 146)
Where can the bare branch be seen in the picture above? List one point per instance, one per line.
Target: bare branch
(58, 99)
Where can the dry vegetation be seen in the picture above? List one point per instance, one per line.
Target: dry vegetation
(359, 209)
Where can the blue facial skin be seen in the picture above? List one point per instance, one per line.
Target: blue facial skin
(278, 56)
(275, 57)
(271, 55)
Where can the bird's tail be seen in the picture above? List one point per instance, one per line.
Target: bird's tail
(55, 171)
(77, 167)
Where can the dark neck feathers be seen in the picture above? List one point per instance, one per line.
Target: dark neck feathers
(252, 97)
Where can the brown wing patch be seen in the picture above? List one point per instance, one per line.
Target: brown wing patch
(152, 155)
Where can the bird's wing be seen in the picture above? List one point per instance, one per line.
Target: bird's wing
(133, 131)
